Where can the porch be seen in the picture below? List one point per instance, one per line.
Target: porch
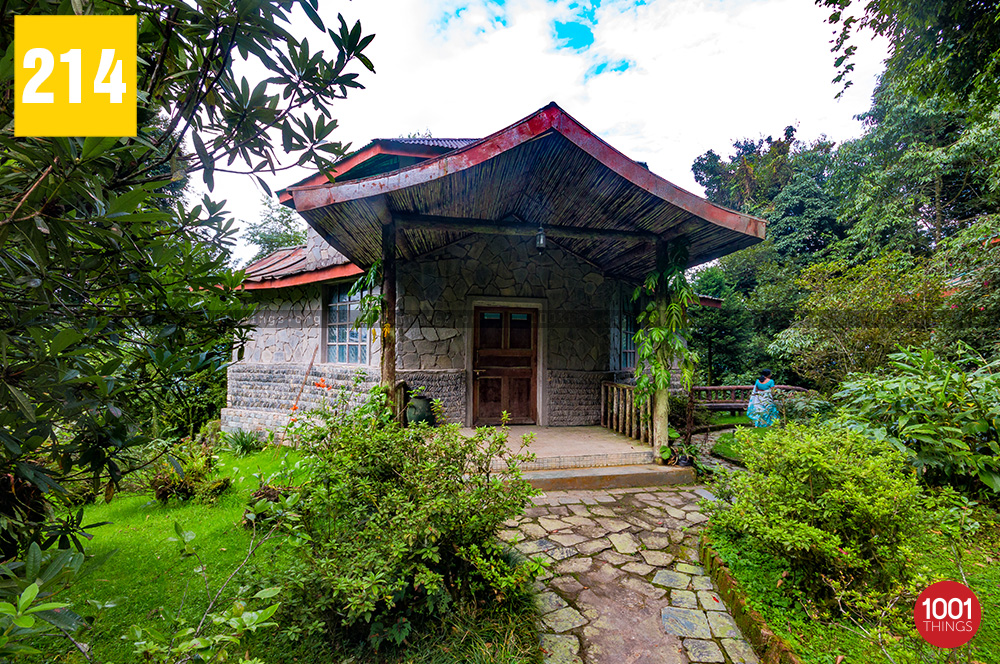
(558, 448)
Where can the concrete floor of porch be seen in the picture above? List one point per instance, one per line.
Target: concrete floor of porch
(577, 447)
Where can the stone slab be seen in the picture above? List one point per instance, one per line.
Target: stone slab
(560, 649)
(593, 546)
(700, 650)
(670, 579)
(710, 601)
(564, 619)
(549, 602)
(702, 583)
(624, 543)
(686, 623)
(643, 475)
(657, 558)
(723, 626)
(693, 570)
(684, 599)
(739, 651)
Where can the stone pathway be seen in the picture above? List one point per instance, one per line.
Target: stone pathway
(705, 444)
(624, 585)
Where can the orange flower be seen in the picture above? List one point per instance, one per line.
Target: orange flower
(295, 407)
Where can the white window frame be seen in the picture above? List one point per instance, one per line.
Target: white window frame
(339, 335)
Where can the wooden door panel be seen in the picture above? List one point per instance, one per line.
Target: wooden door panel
(505, 364)
(520, 399)
(490, 398)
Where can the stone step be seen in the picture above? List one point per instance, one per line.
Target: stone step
(613, 477)
(585, 461)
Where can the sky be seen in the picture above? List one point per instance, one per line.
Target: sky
(663, 81)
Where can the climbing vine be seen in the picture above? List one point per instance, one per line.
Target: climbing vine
(663, 336)
(371, 302)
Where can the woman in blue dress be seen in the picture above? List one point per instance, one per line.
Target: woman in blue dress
(761, 409)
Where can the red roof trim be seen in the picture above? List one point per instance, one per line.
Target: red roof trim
(304, 278)
(373, 149)
(550, 118)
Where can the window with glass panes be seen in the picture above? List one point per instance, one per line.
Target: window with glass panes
(345, 344)
(628, 337)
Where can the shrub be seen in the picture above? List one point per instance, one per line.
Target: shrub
(839, 507)
(402, 521)
(944, 415)
(802, 406)
(678, 413)
(242, 442)
(184, 471)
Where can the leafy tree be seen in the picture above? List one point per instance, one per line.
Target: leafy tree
(719, 336)
(804, 221)
(854, 317)
(103, 295)
(969, 262)
(948, 48)
(922, 171)
(277, 227)
(752, 177)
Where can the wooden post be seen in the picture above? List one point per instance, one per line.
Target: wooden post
(389, 312)
(661, 399)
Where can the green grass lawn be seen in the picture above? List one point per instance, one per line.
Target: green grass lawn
(728, 447)
(147, 575)
(735, 420)
(820, 642)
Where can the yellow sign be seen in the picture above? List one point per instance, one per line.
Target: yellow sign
(75, 75)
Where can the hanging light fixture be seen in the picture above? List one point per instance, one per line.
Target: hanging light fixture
(540, 238)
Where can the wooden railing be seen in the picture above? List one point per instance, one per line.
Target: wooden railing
(730, 397)
(621, 413)
(400, 395)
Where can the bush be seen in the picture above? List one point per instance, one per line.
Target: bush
(944, 415)
(184, 472)
(678, 413)
(242, 442)
(402, 522)
(802, 406)
(839, 507)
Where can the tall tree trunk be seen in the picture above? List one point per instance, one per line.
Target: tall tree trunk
(389, 309)
(661, 398)
(938, 212)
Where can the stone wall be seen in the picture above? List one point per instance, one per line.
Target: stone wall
(574, 397)
(289, 322)
(319, 253)
(261, 395)
(447, 385)
(437, 296)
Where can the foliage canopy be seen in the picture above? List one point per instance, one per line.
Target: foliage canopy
(104, 293)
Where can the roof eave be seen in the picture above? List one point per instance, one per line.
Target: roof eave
(550, 118)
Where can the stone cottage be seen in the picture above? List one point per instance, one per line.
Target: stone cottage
(511, 260)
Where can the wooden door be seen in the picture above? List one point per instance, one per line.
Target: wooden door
(504, 365)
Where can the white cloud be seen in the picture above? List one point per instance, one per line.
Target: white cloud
(702, 73)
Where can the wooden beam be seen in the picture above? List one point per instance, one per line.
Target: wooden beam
(486, 226)
(389, 307)
(661, 398)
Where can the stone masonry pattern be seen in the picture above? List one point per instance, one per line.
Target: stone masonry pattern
(434, 314)
(623, 581)
(261, 395)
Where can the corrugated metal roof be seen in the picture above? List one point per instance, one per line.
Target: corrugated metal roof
(279, 263)
(450, 143)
